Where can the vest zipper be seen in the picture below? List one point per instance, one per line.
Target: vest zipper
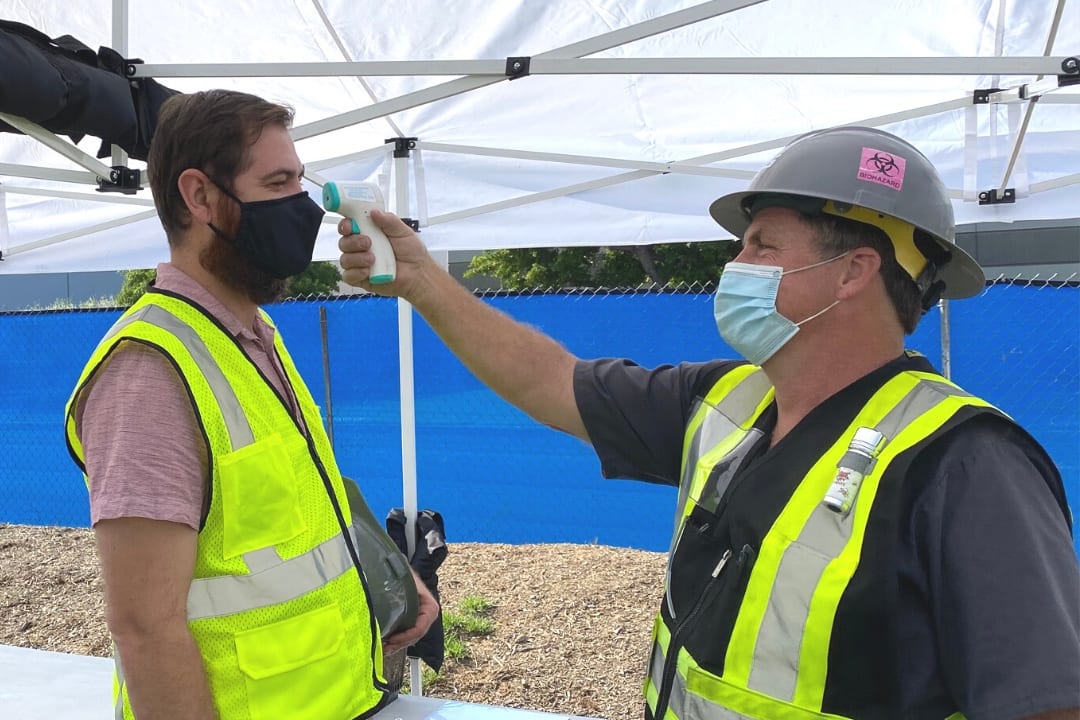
(675, 644)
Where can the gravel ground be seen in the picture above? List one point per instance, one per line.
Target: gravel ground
(571, 622)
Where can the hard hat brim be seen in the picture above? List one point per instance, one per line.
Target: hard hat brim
(962, 275)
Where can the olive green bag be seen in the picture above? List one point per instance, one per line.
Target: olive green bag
(389, 578)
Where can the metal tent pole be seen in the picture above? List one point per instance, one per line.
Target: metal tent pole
(606, 41)
(946, 339)
(1019, 141)
(120, 45)
(408, 402)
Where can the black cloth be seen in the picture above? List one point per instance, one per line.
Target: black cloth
(430, 551)
(147, 95)
(67, 88)
(989, 585)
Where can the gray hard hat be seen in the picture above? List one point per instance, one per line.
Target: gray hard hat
(869, 176)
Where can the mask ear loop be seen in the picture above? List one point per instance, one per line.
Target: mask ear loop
(819, 264)
(824, 310)
(229, 195)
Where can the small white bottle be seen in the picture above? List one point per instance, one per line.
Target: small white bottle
(356, 200)
(856, 464)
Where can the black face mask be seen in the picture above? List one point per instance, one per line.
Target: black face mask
(277, 235)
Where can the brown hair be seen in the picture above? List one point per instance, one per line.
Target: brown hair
(211, 131)
(836, 235)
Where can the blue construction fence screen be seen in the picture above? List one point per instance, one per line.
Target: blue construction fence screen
(495, 474)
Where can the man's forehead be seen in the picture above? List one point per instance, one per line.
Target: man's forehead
(774, 222)
(274, 152)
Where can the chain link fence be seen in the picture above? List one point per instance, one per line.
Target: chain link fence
(494, 474)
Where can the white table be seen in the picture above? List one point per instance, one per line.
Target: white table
(42, 685)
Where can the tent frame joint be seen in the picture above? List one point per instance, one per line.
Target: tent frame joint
(403, 146)
(1068, 80)
(121, 179)
(994, 197)
(1033, 91)
(518, 66)
(984, 96)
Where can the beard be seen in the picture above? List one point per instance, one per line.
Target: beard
(223, 260)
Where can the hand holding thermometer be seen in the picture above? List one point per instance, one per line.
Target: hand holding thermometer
(356, 200)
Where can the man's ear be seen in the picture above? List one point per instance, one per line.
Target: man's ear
(199, 194)
(862, 267)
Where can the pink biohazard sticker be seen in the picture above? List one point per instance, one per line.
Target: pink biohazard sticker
(881, 167)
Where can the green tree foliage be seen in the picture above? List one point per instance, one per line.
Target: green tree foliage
(135, 283)
(630, 266)
(320, 278)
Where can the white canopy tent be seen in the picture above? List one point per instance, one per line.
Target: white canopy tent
(634, 116)
(623, 120)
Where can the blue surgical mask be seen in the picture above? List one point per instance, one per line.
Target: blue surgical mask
(745, 309)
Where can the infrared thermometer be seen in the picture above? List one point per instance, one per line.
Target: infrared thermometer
(356, 200)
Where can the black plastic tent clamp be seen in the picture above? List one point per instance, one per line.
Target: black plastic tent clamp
(517, 67)
(982, 97)
(402, 145)
(121, 179)
(991, 197)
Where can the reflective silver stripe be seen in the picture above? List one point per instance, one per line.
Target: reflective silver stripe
(688, 469)
(656, 664)
(288, 580)
(118, 710)
(729, 416)
(236, 422)
(656, 676)
(698, 708)
(262, 559)
(721, 474)
(740, 403)
(774, 670)
(734, 411)
(683, 704)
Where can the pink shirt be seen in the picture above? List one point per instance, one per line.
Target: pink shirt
(145, 455)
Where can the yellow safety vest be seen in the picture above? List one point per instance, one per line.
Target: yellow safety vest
(775, 666)
(277, 606)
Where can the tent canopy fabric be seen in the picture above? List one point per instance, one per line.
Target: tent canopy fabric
(633, 117)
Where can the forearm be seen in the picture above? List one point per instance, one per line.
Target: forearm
(164, 675)
(525, 367)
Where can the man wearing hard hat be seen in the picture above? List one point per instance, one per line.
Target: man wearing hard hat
(856, 536)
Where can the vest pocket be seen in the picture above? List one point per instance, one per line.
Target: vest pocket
(259, 502)
(297, 668)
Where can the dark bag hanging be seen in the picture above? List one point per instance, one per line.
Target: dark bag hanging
(430, 552)
(68, 89)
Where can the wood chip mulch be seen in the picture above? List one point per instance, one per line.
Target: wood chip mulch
(572, 622)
